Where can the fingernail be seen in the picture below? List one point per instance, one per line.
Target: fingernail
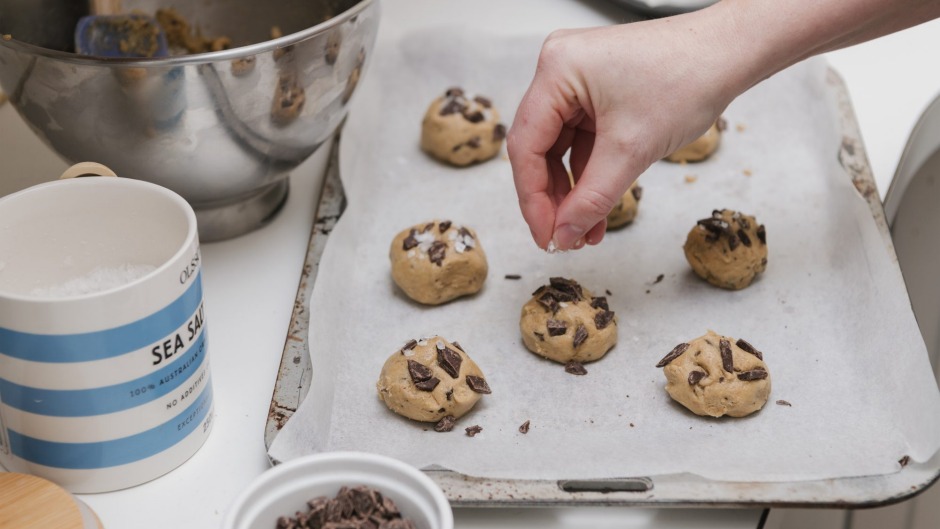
(566, 237)
(578, 244)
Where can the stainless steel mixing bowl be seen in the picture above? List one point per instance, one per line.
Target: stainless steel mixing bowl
(222, 129)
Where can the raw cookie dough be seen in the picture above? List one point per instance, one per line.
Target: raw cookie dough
(461, 130)
(715, 375)
(431, 379)
(625, 210)
(727, 249)
(289, 99)
(701, 148)
(437, 261)
(565, 323)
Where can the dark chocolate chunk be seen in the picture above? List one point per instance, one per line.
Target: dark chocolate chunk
(548, 301)
(486, 103)
(904, 461)
(715, 225)
(580, 335)
(450, 361)
(513, 276)
(446, 424)
(453, 106)
(539, 335)
(695, 377)
(457, 147)
(745, 240)
(429, 384)
(716, 213)
(637, 192)
(499, 132)
(418, 371)
(458, 346)
(727, 359)
(409, 346)
(782, 402)
(602, 319)
(733, 242)
(478, 385)
(436, 253)
(464, 232)
(427, 227)
(762, 234)
(575, 368)
(444, 226)
(539, 290)
(675, 353)
(449, 395)
(454, 92)
(474, 142)
(599, 303)
(567, 286)
(556, 327)
(758, 373)
(473, 430)
(473, 117)
(410, 241)
(749, 348)
(743, 223)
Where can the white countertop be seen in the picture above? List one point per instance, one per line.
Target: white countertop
(250, 282)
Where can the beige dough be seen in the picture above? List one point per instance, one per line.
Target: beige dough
(727, 249)
(564, 323)
(429, 392)
(438, 261)
(461, 129)
(289, 99)
(703, 147)
(717, 375)
(625, 210)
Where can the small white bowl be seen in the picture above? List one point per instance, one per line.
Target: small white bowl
(286, 488)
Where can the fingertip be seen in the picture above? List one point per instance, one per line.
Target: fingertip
(596, 234)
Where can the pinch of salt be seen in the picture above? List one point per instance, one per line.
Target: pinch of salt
(452, 235)
(562, 304)
(440, 345)
(425, 240)
(459, 246)
(411, 253)
(422, 342)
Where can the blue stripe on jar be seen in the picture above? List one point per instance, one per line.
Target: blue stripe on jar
(107, 399)
(98, 345)
(104, 454)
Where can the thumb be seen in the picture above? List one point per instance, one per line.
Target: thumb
(610, 170)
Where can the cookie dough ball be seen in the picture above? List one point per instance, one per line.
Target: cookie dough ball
(461, 129)
(565, 323)
(436, 262)
(625, 210)
(716, 375)
(431, 379)
(727, 249)
(289, 100)
(703, 147)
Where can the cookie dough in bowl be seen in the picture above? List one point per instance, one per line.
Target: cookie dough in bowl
(565, 323)
(625, 210)
(703, 146)
(438, 261)
(717, 375)
(430, 380)
(462, 129)
(728, 249)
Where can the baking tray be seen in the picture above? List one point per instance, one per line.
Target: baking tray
(676, 490)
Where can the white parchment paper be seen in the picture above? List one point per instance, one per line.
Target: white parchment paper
(831, 313)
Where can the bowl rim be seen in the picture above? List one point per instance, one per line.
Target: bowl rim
(196, 58)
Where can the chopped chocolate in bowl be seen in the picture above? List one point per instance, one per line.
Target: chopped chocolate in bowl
(358, 507)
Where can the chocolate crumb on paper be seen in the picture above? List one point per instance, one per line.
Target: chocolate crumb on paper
(473, 430)
(904, 461)
(659, 279)
(782, 402)
(524, 428)
(446, 424)
(513, 276)
(575, 368)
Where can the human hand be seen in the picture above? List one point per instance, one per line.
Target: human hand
(620, 98)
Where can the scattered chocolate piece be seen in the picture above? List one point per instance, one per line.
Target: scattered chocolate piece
(608, 292)
(556, 327)
(715, 225)
(474, 142)
(599, 303)
(453, 106)
(418, 371)
(637, 193)
(733, 242)
(513, 276)
(499, 132)
(904, 461)
(675, 353)
(762, 234)
(581, 334)
(575, 368)
(409, 346)
(450, 361)
(446, 424)
(429, 384)
(444, 226)
(454, 92)
(602, 319)
(473, 117)
(427, 227)
(548, 301)
(473, 430)
(539, 335)
(449, 394)
(727, 358)
(410, 241)
(457, 345)
(695, 377)
(436, 253)
(464, 232)
(749, 348)
(478, 385)
(484, 102)
(754, 374)
(782, 402)
(524, 428)
(659, 279)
